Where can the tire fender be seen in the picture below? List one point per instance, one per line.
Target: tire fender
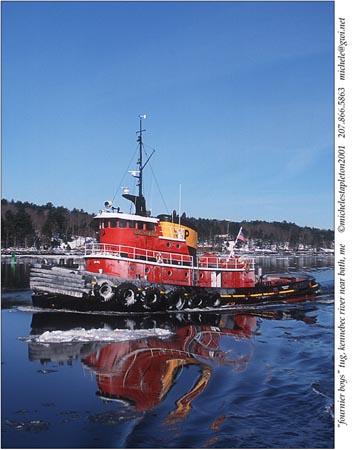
(104, 291)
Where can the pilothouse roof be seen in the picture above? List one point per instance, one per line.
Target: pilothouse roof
(124, 216)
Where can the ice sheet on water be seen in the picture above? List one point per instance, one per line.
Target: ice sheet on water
(32, 425)
(96, 335)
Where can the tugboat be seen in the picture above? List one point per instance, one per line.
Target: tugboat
(144, 263)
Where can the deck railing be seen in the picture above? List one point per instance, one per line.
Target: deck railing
(140, 254)
(225, 262)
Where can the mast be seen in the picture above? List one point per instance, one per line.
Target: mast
(140, 160)
(139, 200)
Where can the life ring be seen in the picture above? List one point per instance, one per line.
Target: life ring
(105, 291)
(158, 257)
(241, 260)
(247, 266)
(223, 262)
(245, 263)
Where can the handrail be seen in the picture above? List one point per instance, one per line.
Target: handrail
(139, 254)
(223, 262)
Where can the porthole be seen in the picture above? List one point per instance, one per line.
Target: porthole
(147, 270)
(169, 272)
(168, 244)
(201, 275)
(177, 245)
(132, 267)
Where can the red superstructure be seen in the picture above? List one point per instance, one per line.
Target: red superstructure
(134, 247)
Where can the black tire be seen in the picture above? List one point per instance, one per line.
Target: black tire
(196, 302)
(128, 295)
(180, 302)
(105, 291)
(150, 299)
(176, 300)
(216, 301)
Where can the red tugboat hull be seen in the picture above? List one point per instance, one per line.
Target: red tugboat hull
(109, 293)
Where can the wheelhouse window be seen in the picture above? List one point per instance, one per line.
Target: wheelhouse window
(114, 223)
(106, 223)
(131, 224)
(122, 223)
(150, 226)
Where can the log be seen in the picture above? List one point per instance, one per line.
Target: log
(47, 288)
(64, 273)
(57, 282)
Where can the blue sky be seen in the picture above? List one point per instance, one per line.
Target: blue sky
(238, 97)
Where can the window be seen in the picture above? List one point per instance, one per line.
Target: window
(140, 225)
(122, 223)
(132, 224)
(150, 226)
(106, 223)
(114, 223)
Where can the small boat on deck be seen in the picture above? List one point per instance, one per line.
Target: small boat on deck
(144, 263)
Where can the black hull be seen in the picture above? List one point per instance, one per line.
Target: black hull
(136, 296)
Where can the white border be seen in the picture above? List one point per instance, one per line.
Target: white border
(344, 433)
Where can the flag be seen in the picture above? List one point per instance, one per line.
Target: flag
(241, 236)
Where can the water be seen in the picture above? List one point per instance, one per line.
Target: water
(252, 379)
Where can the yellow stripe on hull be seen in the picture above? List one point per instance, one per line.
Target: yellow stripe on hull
(244, 295)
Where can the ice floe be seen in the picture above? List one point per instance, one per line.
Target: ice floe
(96, 335)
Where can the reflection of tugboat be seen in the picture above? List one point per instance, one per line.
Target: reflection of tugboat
(145, 263)
(141, 372)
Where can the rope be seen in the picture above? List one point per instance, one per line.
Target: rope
(124, 175)
(155, 179)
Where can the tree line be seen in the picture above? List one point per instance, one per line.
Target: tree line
(263, 233)
(25, 224)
